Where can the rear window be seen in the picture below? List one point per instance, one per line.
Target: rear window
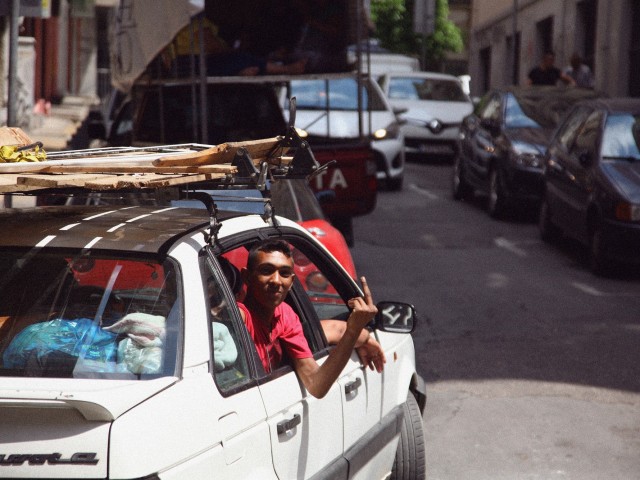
(87, 317)
(170, 114)
(416, 88)
(335, 94)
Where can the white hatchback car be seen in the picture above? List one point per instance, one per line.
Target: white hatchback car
(123, 354)
(327, 112)
(435, 105)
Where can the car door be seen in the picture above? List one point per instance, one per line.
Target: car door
(576, 183)
(240, 415)
(482, 142)
(557, 161)
(326, 292)
(305, 432)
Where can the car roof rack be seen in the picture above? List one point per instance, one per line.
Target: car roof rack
(233, 165)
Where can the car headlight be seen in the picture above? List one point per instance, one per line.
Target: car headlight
(627, 212)
(528, 160)
(391, 131)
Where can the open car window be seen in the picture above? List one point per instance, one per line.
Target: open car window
(87, 316)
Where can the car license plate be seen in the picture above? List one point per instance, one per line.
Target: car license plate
(435, 148)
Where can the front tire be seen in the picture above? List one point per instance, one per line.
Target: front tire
(497, 202)
(461, 188)
(598, 261)
(410, 462)
(548, 231)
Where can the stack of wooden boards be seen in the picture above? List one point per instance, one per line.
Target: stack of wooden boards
(136, 168)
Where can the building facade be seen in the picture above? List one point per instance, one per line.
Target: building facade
(509, 37)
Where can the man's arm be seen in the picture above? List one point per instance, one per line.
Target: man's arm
(318, 379)
(367, 347)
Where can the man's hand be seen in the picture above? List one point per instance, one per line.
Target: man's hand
(363, 309)
(371, 354)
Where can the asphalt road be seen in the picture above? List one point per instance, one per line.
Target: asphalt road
(532, 363)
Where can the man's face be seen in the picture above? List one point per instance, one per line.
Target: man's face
(269, 282)
(549, 60)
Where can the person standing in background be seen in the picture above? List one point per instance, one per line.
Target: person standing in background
(547, 73)
(580, 72)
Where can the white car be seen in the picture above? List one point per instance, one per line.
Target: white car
(435, 105)
(327, 113)
(123, 354)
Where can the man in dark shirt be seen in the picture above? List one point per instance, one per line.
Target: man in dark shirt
(547, 73)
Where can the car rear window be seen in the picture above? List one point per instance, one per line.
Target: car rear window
(87, 316)
(415, 88)
(170, 114)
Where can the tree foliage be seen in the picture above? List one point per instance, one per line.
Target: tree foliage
(393, 20)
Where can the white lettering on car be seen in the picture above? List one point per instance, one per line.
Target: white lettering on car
(337, 179)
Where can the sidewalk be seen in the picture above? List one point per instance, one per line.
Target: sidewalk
(64, 128)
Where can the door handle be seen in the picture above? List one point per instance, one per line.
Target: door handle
(352, 386)
(286, 425)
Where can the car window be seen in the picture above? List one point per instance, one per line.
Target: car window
(515, 116)
(569, 130)
(335, 94)
(87, 316)
(234, 113)
(621, 136)
(230, 357)
(295, 200)
(416, 88)
(587, 138)
(492, 109)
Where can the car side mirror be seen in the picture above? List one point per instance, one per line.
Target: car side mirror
(396, 317)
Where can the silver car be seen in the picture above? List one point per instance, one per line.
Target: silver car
(435, 105)
(328, 111)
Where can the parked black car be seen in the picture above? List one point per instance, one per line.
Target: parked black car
(503, 141)
(592, 181)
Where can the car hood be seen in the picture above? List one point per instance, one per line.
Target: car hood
(340, 124)
(529, 140)
(626, 176)
(425, 111)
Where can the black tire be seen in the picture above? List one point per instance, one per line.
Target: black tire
(410, 462)
(598, 261)
(548, 231)
(462, 190)
(497, 201)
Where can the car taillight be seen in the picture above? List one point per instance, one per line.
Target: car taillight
(628, 212)
(317, 282)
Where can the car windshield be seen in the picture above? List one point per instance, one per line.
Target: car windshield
(334, 94)
(416, 88)
(515, 116)
(621, 137)
(87, 316)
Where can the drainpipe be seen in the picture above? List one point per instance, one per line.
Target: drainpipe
(13, 63)
(514, 50)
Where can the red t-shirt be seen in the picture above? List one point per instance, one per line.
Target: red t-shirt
(286, 333)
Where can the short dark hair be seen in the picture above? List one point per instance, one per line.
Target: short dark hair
(267, 246)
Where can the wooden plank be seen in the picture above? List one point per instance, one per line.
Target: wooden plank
(147, 181)
(56, 181)
(223, 153)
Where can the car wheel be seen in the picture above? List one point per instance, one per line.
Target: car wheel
(548, 231)
(598, 262)
(461, 188)
(395, 184)
(410, 462)
(496, 204)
